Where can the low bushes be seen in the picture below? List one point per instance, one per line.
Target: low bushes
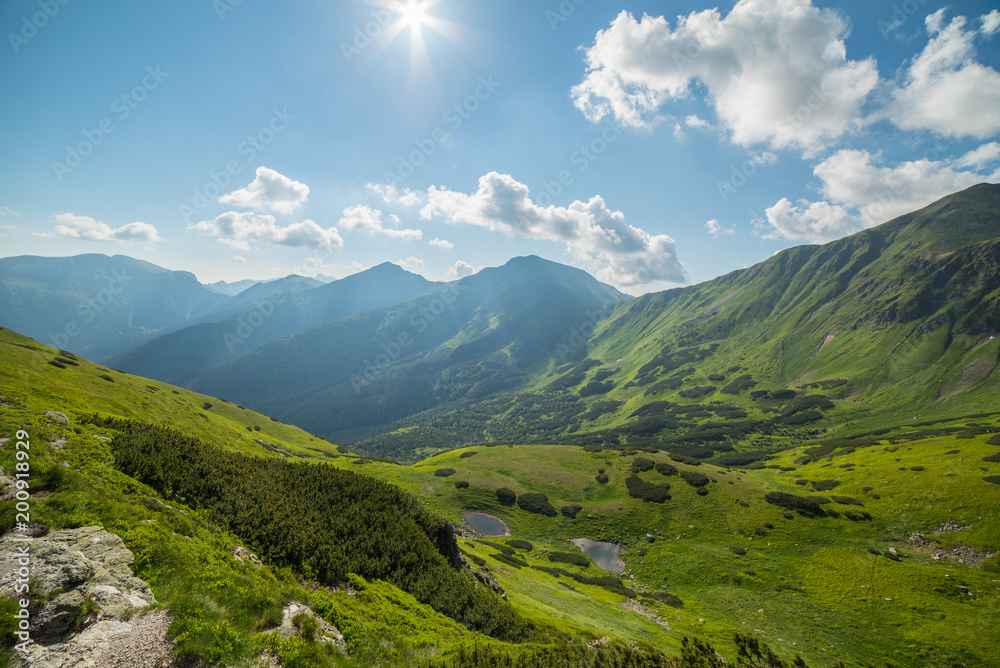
(808, 506)
(575, 558)
(664, 468)
(444, 473)
(824, 485)
(647, 491)
(665, 597)
(694, 478)
(466, 455)
(520, 544)
(461, 484)
(642, 464)
(506, 497)
(536, 502)
(571, 510)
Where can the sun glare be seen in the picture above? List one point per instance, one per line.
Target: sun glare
(413, 13)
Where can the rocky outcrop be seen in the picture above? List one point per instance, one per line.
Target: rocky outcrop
(292, 619)
(84, 588)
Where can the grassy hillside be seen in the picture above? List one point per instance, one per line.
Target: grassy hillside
(896, 322)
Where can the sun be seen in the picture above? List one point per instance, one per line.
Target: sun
(412, 13)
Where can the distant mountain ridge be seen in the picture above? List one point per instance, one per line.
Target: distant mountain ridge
(267, 312)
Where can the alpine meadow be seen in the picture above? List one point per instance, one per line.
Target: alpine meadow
(442, 334)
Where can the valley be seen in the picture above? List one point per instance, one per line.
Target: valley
(804, 454)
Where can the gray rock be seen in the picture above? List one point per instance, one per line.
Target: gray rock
(59, 417)
(56, 616)
(326, 633)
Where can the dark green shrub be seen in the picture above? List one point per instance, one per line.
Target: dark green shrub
(506, 497)
(701, 491)
(856, 515)
(642, 464)
(571, 510)
(808, 506)
(716, 377)
(509, 560)
(684, 459)
(995, 479)
(991, 565)
(520, 544)
(846, 501)
(61, 366)
(992, 458)
(536, 502)
(107, 377)
(736, 549)
(824, 485)
(740, 384)
(206, 405)
(695, 392)
(664, 468)
(694, 478)
(444, 473)
(467, 454)
(801, 418)
(647, 491)
(575, 558)
(917, 468)
(461, 484)
(602, 478)
(665, 597)
(993, 440)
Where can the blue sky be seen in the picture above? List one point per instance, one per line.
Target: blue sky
(651, 144)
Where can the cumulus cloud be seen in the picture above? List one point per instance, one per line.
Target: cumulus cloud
(238, 261)
(460, 270)
(775, 71)
(392, 195)
(717, 230)
(990, 23)
(590, 231)
(366, 219)
(945, 89)
(861, 193)
(980, 157)
(411, 263)
(441, 243)
(239, 230)
(269, 191)
(71, 226)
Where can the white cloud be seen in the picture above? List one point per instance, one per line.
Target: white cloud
(591, 231)
(717, 230)
(411, 264)
(991, 23)
(775, 71)
(945, 89)
(441, 243)
(762, 159)
(7, 211)
(460, 270)
(815, 222)
(861, 193)
(269, 191)
(240, 229)
(366, 219)
(980, 157)
(357, 267)
(71, 226)
(238, 261)
(391, 194)
(694, 121)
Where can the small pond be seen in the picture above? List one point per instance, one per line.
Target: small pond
(486, 525)
(605, 555)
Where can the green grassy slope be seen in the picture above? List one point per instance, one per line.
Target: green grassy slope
(896, 322)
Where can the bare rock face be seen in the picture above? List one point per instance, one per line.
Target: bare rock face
(86, 576)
